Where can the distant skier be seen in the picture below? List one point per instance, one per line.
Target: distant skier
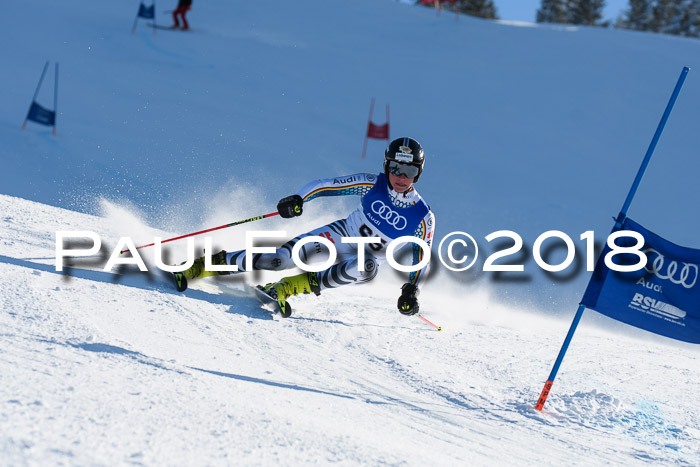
(390, 208)
(183, 7)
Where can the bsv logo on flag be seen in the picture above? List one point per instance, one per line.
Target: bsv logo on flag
(657, 307)
(685, 275)
(392, 217)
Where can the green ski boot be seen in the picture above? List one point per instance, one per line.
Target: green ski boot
(289, 287)
(197, 271)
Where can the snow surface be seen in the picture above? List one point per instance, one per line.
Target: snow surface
(526, 128)
(101, 369)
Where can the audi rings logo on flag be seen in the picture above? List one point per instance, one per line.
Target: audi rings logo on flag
(685, 275)
(392, 217)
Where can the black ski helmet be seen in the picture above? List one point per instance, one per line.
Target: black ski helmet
(405, 151)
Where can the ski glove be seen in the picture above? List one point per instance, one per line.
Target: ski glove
(408, 301)
(291, 206)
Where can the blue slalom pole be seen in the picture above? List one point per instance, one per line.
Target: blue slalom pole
(618, 223)
(560, 358)
(659, 129)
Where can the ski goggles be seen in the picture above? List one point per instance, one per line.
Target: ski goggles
(408, 170)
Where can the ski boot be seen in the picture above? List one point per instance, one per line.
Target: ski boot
(197, 270)
(291, 286)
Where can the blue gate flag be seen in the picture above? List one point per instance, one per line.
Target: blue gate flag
(41, 115)
(148, 12)
(663, 297)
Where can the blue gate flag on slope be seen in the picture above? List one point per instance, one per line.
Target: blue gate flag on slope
(148, 12)
(663, 297)
(41, 115)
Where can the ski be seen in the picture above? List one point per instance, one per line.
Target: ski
(167, 28)
(283, 308)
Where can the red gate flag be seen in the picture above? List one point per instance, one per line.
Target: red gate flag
(378, 131)
(375, 131)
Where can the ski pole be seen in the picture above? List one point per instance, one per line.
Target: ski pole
(208, 230)
(439, 328)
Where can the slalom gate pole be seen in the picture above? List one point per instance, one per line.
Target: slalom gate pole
(388, 127)
(41, 80)
(245, 221)
(618, 223)
(439, 328)
(369, 121)
(36, 93)
(55, 100)
(647, 157)
(133, 28)
(560, 358)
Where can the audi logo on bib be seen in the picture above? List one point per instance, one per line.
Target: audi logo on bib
(687, 276)
(392, 217)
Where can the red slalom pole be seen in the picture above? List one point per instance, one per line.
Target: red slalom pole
(439, 328)
(207, 230)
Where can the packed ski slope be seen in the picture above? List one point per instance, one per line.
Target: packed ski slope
(98, 368)
(527, 128)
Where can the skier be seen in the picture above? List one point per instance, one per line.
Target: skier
(183, 7)
(390, 208)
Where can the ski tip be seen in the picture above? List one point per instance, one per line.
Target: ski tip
(278, 306)
(285, 309)
(180, 281)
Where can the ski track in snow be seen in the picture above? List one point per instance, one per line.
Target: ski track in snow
(97, 368)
